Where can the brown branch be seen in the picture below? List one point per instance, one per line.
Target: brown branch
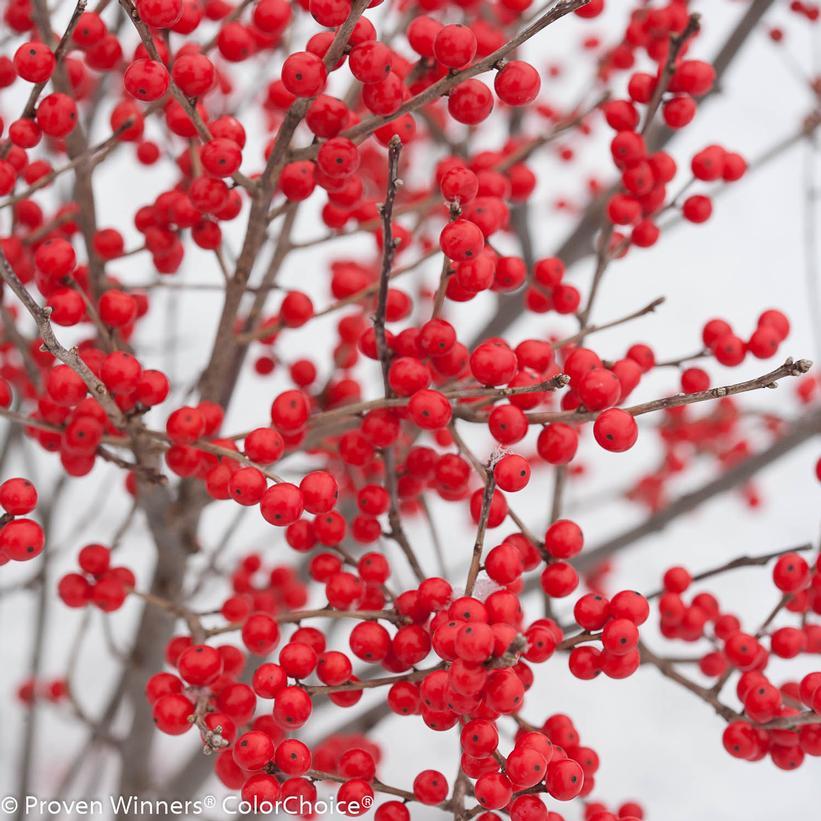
(739, 562)
(267, 329)
(606, 254)
(478, 545)
(76, 144)
(708, 695)
(457, 799)
(397, 531)
(150, 474)
(603, 326)
(483, 474)
(235, 14)
(268, 283)
(68, 357)
(290, 617)
(388, 253)
(422, 208)
(23, 347)
(92, 155)
(226, 353)
(441, 289)
(527, 149)
(677, 43)
(371, 683)
(771, 616)
(454, 395)
(559, 485)
(767, 380)
(668, 670)
(683, 360)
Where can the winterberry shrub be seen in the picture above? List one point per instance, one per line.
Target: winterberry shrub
(407, 469)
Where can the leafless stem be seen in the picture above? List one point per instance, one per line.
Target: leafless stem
(478, 545)
(739, 562)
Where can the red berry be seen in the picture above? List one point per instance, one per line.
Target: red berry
(34, 62)
(517, 83)
(454, 45)
(615, 430)
(303, 74)
(172, 713)
(146, 80)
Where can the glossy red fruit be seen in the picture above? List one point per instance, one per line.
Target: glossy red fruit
(34, 62)
(565, 779)
(303, 74)
(146, 80)
(470, 102)
(160, 13)
(517, 83)
(454, 45)
(615, 430)
(172, 713)
(512, 473)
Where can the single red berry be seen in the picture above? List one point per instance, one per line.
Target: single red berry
(517, 83)
(470, 102)
(200, 665)
(160, 13)
(281, 504)
(564, 539)
(430, 787)
(565, 779)
(303, 74)
(512, 473)
(454, 45)
(791, 573)
(34, 62)
(615, 430)
(146, 80)
(172, 712)
(22, 540)
(461, 240)
(18, 496)
(429, 409)
(57, 115)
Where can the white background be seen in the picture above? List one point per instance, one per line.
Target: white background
(657, 743)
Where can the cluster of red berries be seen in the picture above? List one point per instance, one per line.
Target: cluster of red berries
(21, 539)
(772, 329)
(552, 755)
(648, 32)
(200, 208)
(749, 737)
(812, 11)
(82, 423)
(597, 811)
(53, 691)
(764, 702)
(645, 176)
(618, 620)
(485, 653)
(100, 583)
(454, 658)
